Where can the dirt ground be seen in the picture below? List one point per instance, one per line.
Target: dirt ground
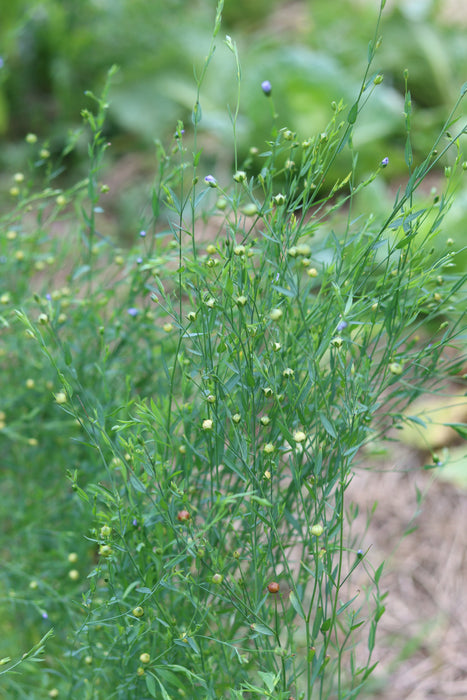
(422, 637)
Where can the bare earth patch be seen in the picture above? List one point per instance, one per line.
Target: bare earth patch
(422, 637)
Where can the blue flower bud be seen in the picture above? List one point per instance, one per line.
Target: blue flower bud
(266, 87)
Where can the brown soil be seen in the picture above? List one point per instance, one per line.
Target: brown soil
(422, 637)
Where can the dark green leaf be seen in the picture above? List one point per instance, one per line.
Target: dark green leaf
(352, 118)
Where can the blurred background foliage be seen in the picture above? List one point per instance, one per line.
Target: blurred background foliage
(313, 52)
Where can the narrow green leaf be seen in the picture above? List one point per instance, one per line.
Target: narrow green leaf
(67, 354)
(269, 679)
(326, 626)
(284, 291)
(165, 695)
(297, 605)
(199, 197)
(151, 685)
(460, 428)
(352, 118)
(378, 573)
(372, 637)
(261, 501)
(317, 622)
(262, 629)
(463, 89)
(408, 152)
(417, 420)
(196, 115)
(136, 483)
(327, 425)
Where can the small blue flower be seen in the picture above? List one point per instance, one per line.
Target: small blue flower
(210, 181)
(384, 162)
(132, 311)
(2, 63)
(44, 615)
(134, 522)
(142, 234)
(341, 325)
(139, 261)
(48, 297)
(266, 87)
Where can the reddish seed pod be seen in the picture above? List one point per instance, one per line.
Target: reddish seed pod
(183, 516)
(273, 587)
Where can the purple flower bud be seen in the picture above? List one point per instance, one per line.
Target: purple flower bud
(139, 261)
(44, 615)
(142, 234)
(384, 162)
(48, 297)
(132, 311)
(134, 522)
(341, 325)
(210, 181)
(266, 87)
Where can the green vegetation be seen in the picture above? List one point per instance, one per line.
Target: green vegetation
(182, 416)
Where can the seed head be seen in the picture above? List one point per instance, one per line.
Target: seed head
(105, 550)
(395, 368)
(276, 314)
(317, 530)
(279, 199)
(240, 176)
(299, 436)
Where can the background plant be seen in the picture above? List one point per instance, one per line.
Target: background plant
(219, 381)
